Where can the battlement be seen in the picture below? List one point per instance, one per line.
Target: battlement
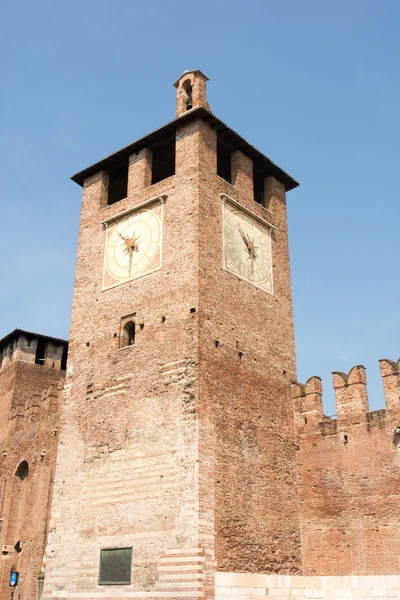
(351, 401)
(35, 348)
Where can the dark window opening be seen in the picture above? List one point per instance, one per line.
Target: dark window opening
(129, 334)
(163, 159)
(118, 184)
(224, 160)
(64, 358)
(23, 470)
(258, 185)
(187, 87)
(115, 566)
(40, 348)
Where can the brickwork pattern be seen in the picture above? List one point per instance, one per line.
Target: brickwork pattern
(349, 476)
(127, 469)
(183, 445)
(156, 437)
(248, 418)
(29, 396)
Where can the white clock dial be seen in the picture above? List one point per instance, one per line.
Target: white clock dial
(247, 248)
(132, 245)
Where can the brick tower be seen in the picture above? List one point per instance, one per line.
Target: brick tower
(32, 371)
(176, 455)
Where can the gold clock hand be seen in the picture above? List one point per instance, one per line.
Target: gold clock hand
(122, 237)
(252, 249)
(130, 251)
(244, 237)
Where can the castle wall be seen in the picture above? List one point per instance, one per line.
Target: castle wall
(349, 477)
(29, 396)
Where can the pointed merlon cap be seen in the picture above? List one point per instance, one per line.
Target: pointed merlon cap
(191, 92)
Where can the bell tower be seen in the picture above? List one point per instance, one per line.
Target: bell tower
(176, 455)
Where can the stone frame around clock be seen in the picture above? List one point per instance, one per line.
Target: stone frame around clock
(265, 224)
(147, 205)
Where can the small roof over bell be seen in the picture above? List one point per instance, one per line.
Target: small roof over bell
(195, 72)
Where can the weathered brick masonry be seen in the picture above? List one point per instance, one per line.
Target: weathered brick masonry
(175, 445)
(29, 396)
(349, 476)
(184, 436)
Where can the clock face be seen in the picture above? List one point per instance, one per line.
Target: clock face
(133, 247)
(247, 248)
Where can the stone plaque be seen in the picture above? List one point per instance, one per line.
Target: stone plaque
(115, 566)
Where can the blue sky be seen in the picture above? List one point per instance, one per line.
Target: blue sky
(312, 84)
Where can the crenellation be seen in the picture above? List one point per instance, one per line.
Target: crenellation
(307, 399)
(179, 441)
(390, 372)
(347, 477)
(274, 193)
(351, 401)
(53, 355)
(31, 349)
(7, 356)
(140, 168)
(351, 395)
(242, 174)
(95, 192)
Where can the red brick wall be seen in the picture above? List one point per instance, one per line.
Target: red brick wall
(127, 470)
(248, 415)
(349, 477)
(29, 417)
